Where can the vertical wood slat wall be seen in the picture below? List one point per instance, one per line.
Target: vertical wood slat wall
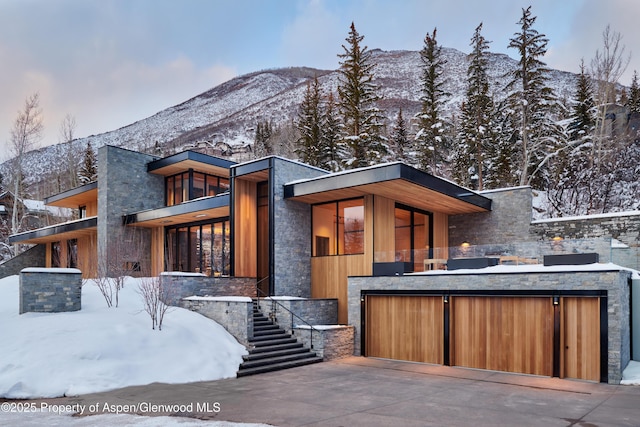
(245, 233)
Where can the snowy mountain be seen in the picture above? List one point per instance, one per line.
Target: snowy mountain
(226, 115)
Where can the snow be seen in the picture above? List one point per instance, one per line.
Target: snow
(283, 298)
(46, 419)
(528, 268)
(209, 298)
(182, 273)
(98, 348)
(322, 327)
(51, 270)
(631, 374)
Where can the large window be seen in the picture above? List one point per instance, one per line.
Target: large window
(413, 236)
(192, 185)
(338, 228)
(199, 248)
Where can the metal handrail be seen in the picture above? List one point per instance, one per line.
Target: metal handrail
(311, 328)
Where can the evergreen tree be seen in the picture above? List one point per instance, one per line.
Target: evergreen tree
(262, 144)
(333, 149)
(88, 171)
(582, 121)
(432, 147)
(309, 144)
(531, 98)
(475, 134)
(633, 101)
(400, 145)
(362, 121)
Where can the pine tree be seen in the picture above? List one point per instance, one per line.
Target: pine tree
(432, 147)
(633, 101)
(362, 121)
(530, 97)
(582, 121)
(400, 145)
(262, 144)
(333, 149)
(308, 124)
(475, 134)
(88, 171)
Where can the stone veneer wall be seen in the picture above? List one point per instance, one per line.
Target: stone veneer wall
(614, 281)
(292, 231)
(124, 187)
(507, 222)
(624, 226)
(315, 311)
(50, 290)
(182, 285)
(232, 313)
(329, 343)
(32, 257)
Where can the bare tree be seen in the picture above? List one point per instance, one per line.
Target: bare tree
(67, 135)
(154, 296)
(25, 136)
(607, 67)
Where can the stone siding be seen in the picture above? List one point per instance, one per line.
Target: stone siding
(507, 222)
(32, 257)
(624, 227)
(125, 187)
(181, 285)
(292, 235)
(50, 290)
(328, 343)
(315, 311)
(615, 282)
(233, 315)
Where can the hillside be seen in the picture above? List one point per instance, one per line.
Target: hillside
(225, 116)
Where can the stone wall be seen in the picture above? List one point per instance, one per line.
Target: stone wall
(125, 187)
(623, 227)
(317, 311)
(181, 285)
(614, 281)
(232, 313)
(328, 342)
(50, 290)
(292, 235)
(507, 222)
(32, 257)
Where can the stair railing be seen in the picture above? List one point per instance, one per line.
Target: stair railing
(274, 302)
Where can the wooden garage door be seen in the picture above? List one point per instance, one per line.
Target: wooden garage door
(405, 328)
(509, 334)
(580, 338)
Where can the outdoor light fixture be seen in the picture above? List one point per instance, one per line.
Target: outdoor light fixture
(556, 300)
(465, 244)
(557, 238)
(200, 215)
(446, 299)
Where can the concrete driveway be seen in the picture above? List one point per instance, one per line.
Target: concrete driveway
(370, 392)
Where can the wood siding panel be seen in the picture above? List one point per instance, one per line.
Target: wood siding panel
(329, 278)
(157, 251)
(580, 338)
(92, 208)
(440, 235)
(405, 328)
(245, 231)
(503, 334)
(384, 230)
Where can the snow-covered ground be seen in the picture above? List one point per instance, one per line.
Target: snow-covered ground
(99, 348)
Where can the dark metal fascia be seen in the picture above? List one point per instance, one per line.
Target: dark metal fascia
(189, 155)
(249, 168)
(219, 201)
(73, 192)
(56, 229)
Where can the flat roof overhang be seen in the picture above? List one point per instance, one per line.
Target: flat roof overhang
(186, 160)
(202, 209)
(76, 197)
(68, 230)
(395, 181)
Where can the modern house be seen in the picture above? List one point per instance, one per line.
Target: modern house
(423, 269)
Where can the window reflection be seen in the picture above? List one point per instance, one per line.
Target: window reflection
(338, 228)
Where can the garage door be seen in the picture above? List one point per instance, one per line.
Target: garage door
(503, 334)
(581, 338)
(405, 328)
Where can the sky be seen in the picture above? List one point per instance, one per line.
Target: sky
(109, 63)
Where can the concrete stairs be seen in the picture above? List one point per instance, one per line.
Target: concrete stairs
(273, 349)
